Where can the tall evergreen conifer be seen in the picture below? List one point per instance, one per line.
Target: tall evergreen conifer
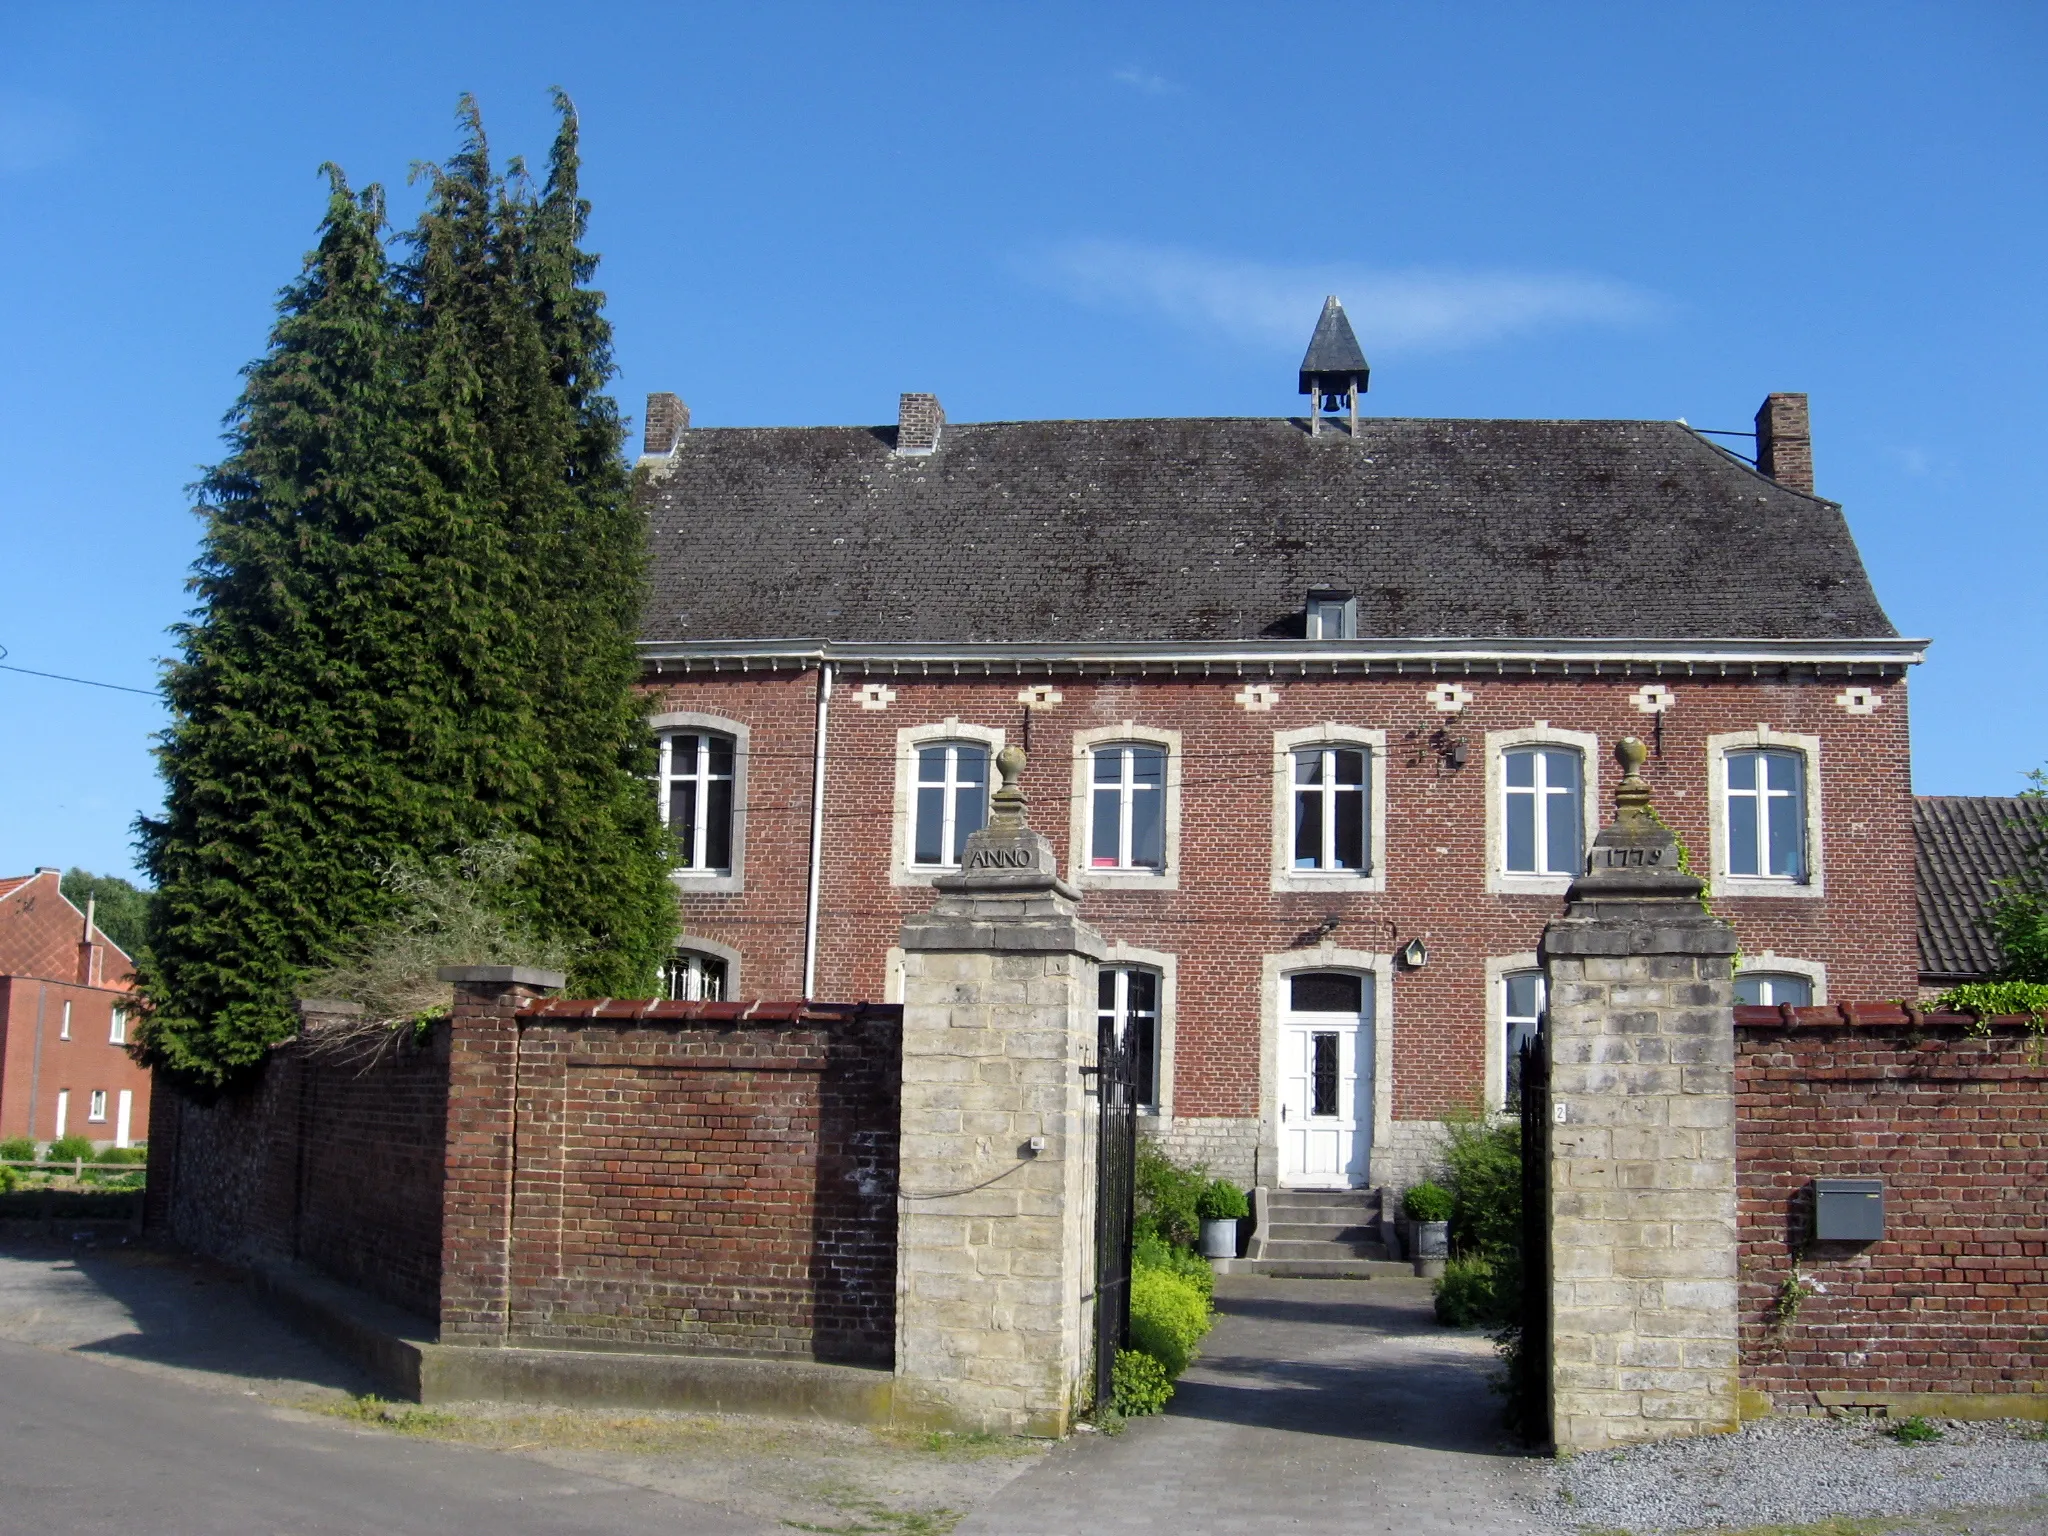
(421, 580)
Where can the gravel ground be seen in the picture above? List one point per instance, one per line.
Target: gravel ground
(1794, 1471)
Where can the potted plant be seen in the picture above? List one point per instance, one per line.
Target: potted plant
(1427, 1207)
(1221, 1206)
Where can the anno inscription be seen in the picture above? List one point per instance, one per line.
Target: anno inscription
(997, 857)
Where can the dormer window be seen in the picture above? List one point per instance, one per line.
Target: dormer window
(1332, 615)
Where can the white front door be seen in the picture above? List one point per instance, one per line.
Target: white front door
(124, 1116)
(1325, 1080)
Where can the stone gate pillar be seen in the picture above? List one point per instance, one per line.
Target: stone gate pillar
(1642, 1143)
(994, 1252)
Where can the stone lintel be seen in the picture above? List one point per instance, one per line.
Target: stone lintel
(1654, 927)
(998, 934)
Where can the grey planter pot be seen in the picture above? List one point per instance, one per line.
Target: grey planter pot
(1430, 1243)
(1219, 1237)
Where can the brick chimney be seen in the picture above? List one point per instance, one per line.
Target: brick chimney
(667, 420)
(918, 420)
(1784, 442)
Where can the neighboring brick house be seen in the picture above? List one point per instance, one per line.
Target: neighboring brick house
(1966, 845)
(64, 1020)
(1319, 722)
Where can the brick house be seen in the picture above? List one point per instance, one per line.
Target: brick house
(1320, 713)
(64, 1016)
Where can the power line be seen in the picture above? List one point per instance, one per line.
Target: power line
(85, 681)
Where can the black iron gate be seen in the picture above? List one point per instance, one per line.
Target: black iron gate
(1116, 1168)
(1531, 1386)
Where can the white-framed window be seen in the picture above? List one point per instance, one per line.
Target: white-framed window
(1768, 989)
(1765, 813)
(1540, 784)
(944, 772)
(117, 1031)
(952, 802)
(697, 777)
(1522, 998)
(1766, 789)
(1331, 615)
(1127, 1001)
(64, 1022)
(1543, 810)
(1127, 807)
(695, 977)
(1329, 808)
(1126, 812)
(96, 1106)
(701, 784)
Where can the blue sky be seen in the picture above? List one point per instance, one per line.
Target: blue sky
(1040, 210)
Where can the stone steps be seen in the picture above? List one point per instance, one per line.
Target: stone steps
(1321, 1234)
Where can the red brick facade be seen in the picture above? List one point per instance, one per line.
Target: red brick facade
(62, 1056)
(1224, 916)
(1953, 1298)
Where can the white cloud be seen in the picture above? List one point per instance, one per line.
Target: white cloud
(1144, 80)
(34, 132)
(1264, 304)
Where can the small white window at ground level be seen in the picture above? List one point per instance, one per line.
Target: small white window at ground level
(1127, 808)
(1543, 811)
(117, 1034)
(696, 784)
(952, 802)
(1330, 811)
(96, 1107)
(1522, 1012)
(695, 977)
(64, 1025)
(1766, 792)
(1127, 1004)
(1768, 989)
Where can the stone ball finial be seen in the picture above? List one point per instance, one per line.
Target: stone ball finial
(1632, 798)
(1006, 805)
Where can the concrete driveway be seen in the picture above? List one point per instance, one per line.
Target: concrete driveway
(1316, 1405)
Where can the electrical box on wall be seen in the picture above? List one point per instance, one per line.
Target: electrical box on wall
(1848, 1210)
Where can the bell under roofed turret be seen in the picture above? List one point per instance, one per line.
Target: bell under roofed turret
(1335, 371)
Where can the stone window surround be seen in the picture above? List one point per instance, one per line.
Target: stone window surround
(908, 740)
(711, 948)
(685, 720)
(1275, 969)
(1339, 882)
(1725, 884)
(1498, 969)
(1079, 872)
(1129, 957)
(1815, 972)
(1542, 734)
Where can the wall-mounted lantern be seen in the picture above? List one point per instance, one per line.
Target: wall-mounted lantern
(1414, 954)
(1848, 1210)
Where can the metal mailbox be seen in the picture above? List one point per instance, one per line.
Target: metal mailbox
(1848, 1210)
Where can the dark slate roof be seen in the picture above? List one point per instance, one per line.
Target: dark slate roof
(1964, 843)
(1207, 530)
(1334, 357)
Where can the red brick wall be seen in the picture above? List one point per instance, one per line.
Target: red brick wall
(315, 1159)
(1224, 916)
(707, 1178)
(1954, 1298)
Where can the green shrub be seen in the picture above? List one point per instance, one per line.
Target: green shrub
(123, 1155)
(10, 1179)
(1169, 1317)
(1154, 1252)
(17, 1149)
(1167, 1194)
(1140, 1383)
(69, 1149)
(1484, 1163)
(1427, 1202)
(1222, 1201)
(1476, 1292)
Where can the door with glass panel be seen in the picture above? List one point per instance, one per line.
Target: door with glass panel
(1325, 1079)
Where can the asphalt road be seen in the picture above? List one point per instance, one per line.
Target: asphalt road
(91, 1447)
